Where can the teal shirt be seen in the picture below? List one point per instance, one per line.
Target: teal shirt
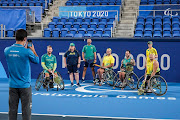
(89, 52)
(49, 61)
(126, 61)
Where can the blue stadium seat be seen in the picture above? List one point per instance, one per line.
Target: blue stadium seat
(166, 19)
(12, 3)
(111, 3)
(73, 31)
(111, 19)
(79, 19)
(18, 3)
(158, 19)
(138, 34)
(159, 2)
(47, 32)
(25, 3)
(175, 26)
(166, 27)
(90, 3)
(93, 24)
(71, 19)
(139, 27)
(104, 3)
(148, 27)
(107, 31)
(76, 3)
(5, 3)
(109, 24)
(175, 19)
(82, 31)
(60, 25)
(90, 30)
(97, 3)
(38, 3)
(32, 3)
(83, 3)
(166, 1)
(118, 3)
(97, 35)
(68, 3)
(55, 32)
(69, 35)
(78, 36)
(10, 32)
(96, 19)
(55, 19)
(87, 35)
(85, 25)
(102, 24)
(51, 25)
(148, 34)
(99, 30)
(68, 25)
(174, 1)
(106, 36)
(144, 2)
(104, 19)
(64, 31)
(149, 19)
(157, 34)
(140, 19)
(166, 34)
(87, 19)
(157, 27)
(63, 19)
(176, 33)
(151, 1)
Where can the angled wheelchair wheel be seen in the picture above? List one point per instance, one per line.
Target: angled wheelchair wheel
(39, 81)
(109, 76)
(132, 80)
(60, 83)
(158, 85)
(117, 81)
(140, 81)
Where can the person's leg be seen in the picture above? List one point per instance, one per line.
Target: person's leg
(71, 78)
(101, 73)
(26, 102)
(13, 103)
(47, 79)
(84, 73)
(77, 77)
(93, 72)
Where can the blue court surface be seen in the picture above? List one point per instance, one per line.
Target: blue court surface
(95, 101)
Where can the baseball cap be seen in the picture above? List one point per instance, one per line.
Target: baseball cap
(72, 44)
(150, 42)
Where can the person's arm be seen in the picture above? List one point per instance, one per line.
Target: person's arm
(155, 67)
(83, 51)
(156, 54)
(43, 63)
(79, 60)
(133, 62)
(95, 56)
(33, 55)
(121, 67)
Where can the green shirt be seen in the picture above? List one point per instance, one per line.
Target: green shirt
(49, 62)
(89, 51)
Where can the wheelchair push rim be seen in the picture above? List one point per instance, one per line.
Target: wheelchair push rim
(109, 77)
(61, 82)
(132, 80)
(39, 81)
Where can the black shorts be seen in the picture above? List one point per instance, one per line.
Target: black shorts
(72, 69)
(149, 76)
(89, 62)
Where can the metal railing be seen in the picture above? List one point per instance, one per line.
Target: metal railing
(2, 31)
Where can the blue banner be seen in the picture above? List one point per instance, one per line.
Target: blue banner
(29, 9)
(168, 55)
(89, 11)
(169, 10)
(13, 18)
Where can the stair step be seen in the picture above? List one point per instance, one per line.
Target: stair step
(125, 25)
(127, 21)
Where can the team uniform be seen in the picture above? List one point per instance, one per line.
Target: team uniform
(108, 60)
(149, 68)
(150, 51)
(124, 63)
(89, 55)
(72, 61)
(49, 62)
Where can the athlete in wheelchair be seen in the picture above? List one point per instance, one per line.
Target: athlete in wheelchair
(152, 82)
(49, 75)
(126, 76)
(105, 73)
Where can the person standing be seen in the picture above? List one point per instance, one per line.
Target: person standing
(89, 58)
(150, 50)
(72, 63)
(18, 58)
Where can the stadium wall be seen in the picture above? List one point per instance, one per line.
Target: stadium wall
(168, 54)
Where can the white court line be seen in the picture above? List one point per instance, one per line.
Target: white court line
(56, 115)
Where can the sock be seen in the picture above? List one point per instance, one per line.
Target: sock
(82, 78)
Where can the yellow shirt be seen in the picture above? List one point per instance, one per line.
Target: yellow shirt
(108, 60)
(149, 67)
(150, 51)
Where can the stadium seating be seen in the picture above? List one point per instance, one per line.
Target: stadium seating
(92, 2)
(150, 2)
(79, 27)
(158, 26)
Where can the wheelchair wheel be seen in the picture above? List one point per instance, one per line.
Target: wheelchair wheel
(61, 83)
(96, 78)
(117, 81)
(132, 80)
(140, 81)
(109, 77)
(158, 85)
(39, 81)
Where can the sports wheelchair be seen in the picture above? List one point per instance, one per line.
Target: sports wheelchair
(130, 80)
(58, 80)
(157, 85)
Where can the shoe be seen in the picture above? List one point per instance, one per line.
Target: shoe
(83, 80)
(72, 84)
(51, 85)
(78, 85)
(148, 91)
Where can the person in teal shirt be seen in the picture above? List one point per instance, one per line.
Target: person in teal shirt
(127, 60)
(89, 58)
(49, 64)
